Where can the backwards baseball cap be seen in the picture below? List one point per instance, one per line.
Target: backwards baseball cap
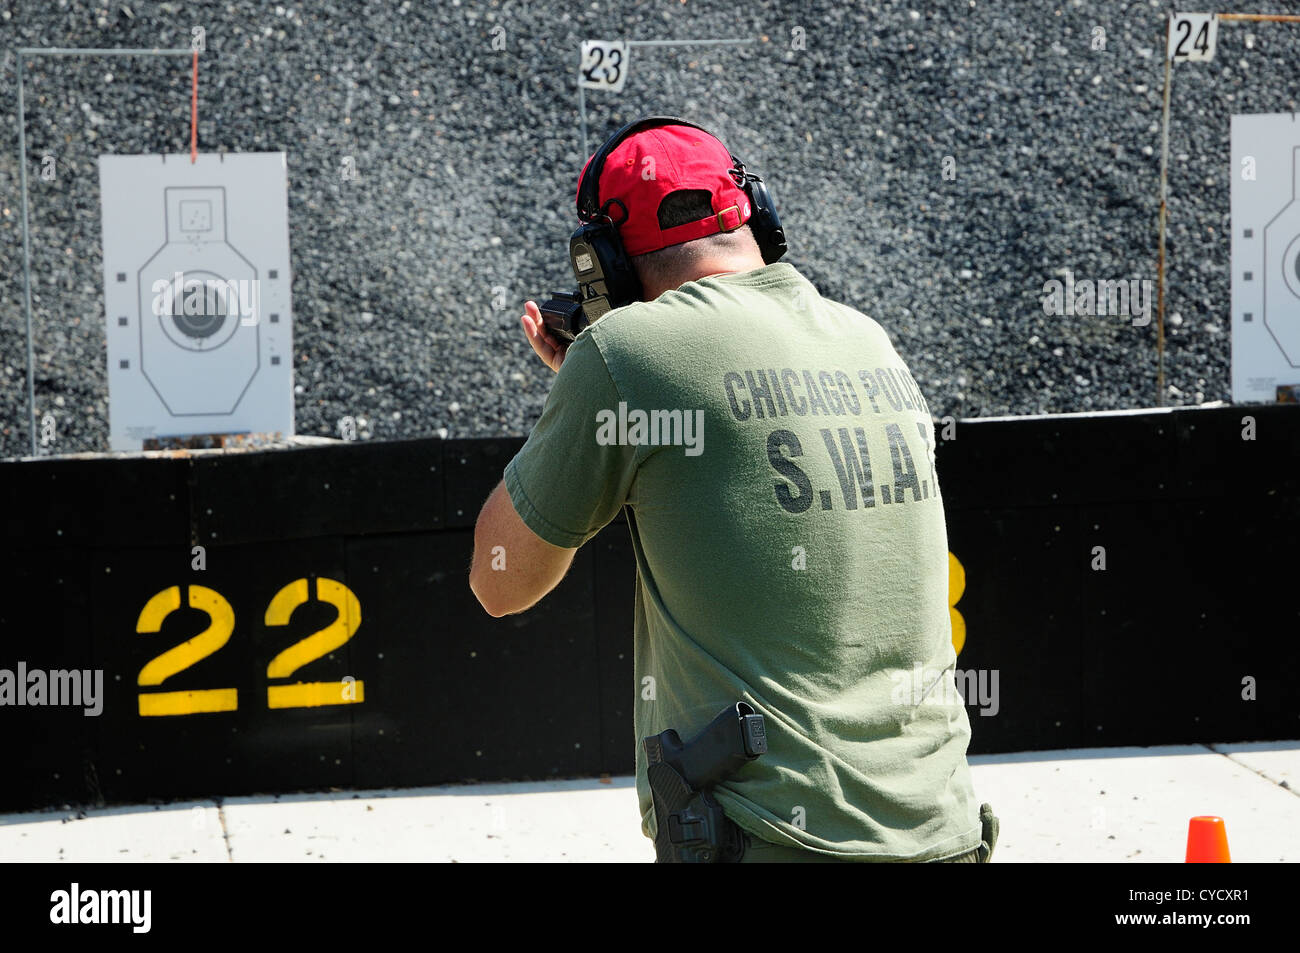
(654, 163)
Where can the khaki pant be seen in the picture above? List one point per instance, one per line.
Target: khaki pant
(759, 851)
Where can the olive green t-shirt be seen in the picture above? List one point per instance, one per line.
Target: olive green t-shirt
(777, 461)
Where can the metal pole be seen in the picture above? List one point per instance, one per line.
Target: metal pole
(22, 177)
(1261, 17)
(685, 42)
(1160, 260)
(27, 257)
(582, 116)
(91, 51)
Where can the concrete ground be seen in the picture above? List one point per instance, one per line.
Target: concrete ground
(1112, 805)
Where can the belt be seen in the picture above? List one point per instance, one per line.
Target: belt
(781, 853)
(979, 854)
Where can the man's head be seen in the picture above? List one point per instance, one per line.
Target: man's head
(720, 253)
(686, 216)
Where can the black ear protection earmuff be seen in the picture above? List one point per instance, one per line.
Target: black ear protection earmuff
(601, 265)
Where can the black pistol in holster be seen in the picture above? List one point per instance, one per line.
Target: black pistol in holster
(690, 825)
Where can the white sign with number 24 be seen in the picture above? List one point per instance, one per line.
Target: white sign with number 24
(1192, 36)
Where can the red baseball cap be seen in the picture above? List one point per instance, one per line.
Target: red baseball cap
(655, 162)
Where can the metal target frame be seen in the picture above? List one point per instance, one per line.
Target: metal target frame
(34, 51)
(1164, 169)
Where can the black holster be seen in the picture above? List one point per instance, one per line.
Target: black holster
(989, 827)
(691, 827)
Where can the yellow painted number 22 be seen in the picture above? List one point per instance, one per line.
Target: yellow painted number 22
(221, 623)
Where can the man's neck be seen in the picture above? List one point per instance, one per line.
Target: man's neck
(712, 269)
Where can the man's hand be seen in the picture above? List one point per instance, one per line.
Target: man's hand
(548, 349)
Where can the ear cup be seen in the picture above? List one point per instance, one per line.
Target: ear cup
(605, 275)
(765, 223)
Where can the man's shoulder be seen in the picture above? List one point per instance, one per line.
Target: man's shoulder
(760, 310)
(645, 328)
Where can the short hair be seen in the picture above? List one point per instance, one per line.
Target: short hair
(669, 264)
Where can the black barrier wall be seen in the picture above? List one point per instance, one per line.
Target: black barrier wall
(297, 620)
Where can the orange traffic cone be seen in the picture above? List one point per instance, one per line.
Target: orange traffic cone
(1207, 841)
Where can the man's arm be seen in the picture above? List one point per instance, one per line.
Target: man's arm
(525, 568)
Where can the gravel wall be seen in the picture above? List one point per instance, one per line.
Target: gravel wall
(462, 120)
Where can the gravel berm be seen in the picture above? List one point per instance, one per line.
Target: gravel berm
(462, 120)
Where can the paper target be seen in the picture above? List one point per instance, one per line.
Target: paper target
(1265, 255)
(197, 295)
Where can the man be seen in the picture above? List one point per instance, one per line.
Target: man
(776, 460)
